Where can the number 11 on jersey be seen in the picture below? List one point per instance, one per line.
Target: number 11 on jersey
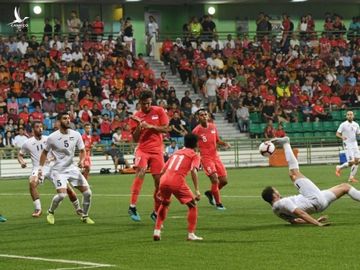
(178, 159)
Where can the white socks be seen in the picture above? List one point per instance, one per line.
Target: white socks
(354, 169)
(76, 204)
(37, 204)
(58, 198)
(290, 157)
(86, 201)
(354, 194)
(344, 165)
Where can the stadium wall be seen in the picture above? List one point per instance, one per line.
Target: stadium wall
(231, 159)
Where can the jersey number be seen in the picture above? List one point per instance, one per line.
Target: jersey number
(66, 143)
(58, 183)
(39, 147)
(203, 138)
(178, 162)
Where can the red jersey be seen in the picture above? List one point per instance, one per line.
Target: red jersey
(179, 165)
(208, 138)
(88, 141)
(150, 141)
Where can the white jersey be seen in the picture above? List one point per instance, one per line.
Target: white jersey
(349, 130)
(63, 148)
(285, 207)
(34, 148)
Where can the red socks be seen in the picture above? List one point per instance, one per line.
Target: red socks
(157, 201)
(161, 216)
(135, 189)
(192, 219)
(215, 192)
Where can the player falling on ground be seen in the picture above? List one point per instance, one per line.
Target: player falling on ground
(62, 144)
(210, 160)
(173, 182)
(147, 127)
(88, 142)
(347, 132)
(297, 209)
(33, 147)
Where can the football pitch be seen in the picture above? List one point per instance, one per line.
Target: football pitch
(245, 236)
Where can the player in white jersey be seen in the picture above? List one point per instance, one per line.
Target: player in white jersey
(33, 147)
(347, 132)
(62, 144)
(298, 209)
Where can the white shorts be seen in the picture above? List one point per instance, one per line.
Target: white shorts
(319, 199)
(352, 152)
(73, 176)
(45, 173)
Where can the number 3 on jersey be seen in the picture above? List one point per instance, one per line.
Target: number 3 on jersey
(178, 159)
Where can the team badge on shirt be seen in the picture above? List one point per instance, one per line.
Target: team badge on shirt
(154, 117)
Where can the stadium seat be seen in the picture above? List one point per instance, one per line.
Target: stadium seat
(337, 115)
(255, 117)
(327, 126)
(296, 127)
(307, 126)
(46, 132)
(255, 128)
(317, 126)
(308, 134)
(47, 123)
(297, 135)
(23, 101)
(335, 125)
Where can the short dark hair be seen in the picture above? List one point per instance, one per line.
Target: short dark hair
(60, 115)
(201, 110)
(87, 124)
(145, 95)
(268, 194)
(35, 122)
(190, 141)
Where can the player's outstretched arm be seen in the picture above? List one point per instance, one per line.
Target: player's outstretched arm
(307, 218)
(82, 154)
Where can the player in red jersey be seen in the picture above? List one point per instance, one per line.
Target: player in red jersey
(147, 127)
(173, 182)
(88, 142)
(210, 160)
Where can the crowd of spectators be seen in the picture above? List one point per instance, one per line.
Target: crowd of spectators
(299, 74)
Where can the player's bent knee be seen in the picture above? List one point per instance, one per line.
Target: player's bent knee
(165, 203)
(345, 186)
(87, 193)
(61, 196)
(191, 204)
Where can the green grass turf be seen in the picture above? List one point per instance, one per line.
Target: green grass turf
(245, 236)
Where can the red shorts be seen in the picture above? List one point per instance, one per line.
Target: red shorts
(87, 161)
(212, 166)
(154, 160)
(182, 193)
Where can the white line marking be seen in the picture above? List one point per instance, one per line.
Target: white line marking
(87, 265)
(122, 195)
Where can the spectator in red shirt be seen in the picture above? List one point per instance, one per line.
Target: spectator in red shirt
(3, 118)
(85, 115)
(37, 115)
(269, 131)
(126, 134)
(97, 28)
(185, 69)
(166, 49)
(24, 114)
(280, 132)
(318, 111)
(105, 128)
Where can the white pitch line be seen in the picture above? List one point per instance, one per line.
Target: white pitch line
(121, 195)
(76, 268)
(87, 265)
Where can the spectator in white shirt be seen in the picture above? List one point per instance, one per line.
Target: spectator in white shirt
(22, 45)
(20, 138)
(116, 138)
(67, 55)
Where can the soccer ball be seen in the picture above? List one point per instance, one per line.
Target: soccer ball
(266, 149)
